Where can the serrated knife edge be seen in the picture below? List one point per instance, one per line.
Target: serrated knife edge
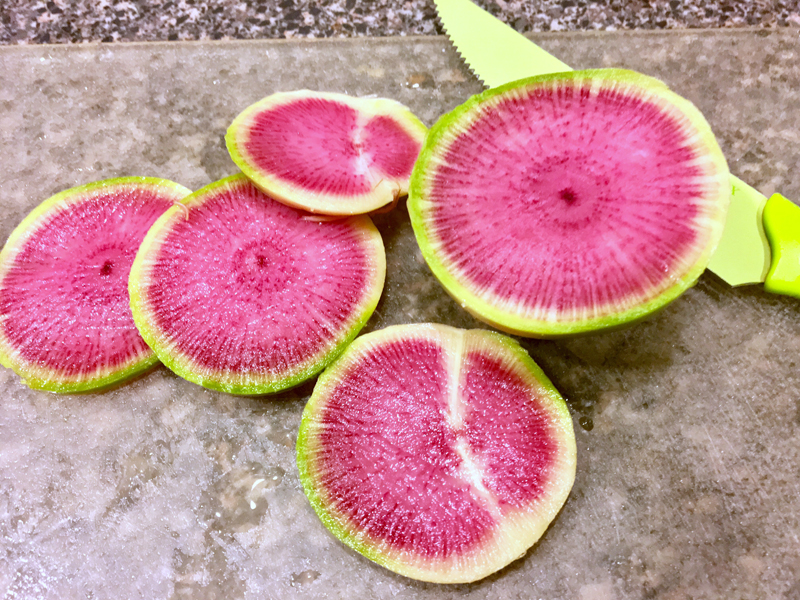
(494, 62)
(458, 52)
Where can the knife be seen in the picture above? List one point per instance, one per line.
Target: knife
(761, 239)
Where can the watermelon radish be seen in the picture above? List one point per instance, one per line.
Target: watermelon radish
(570, 202)
(65, 319)
(240, 293)
(439, 453)
(327, 153)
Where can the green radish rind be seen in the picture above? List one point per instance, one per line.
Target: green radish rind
(520, 529)
(35, 376)
(185, 366)
(384, 192)
(488, 307)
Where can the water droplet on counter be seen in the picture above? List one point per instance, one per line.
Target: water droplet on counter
(273, 477)
(135, 470)
(420, 80)
(239, 496)
(304, 578)
(282, 437)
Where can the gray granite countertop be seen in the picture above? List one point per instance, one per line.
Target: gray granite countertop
(68, 21)
(687, 424)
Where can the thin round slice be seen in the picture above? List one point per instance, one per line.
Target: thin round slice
(65, 319)
(439, 453)
(570, 202)
(327, 153)
(240, 293)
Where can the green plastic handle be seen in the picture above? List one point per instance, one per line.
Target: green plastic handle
(782, 226)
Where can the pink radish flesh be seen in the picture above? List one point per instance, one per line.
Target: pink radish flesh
(224, 281)
(319, 145)
(580, 192)
(392, 463)
(64, 304)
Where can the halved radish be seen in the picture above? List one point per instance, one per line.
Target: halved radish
(571, 202)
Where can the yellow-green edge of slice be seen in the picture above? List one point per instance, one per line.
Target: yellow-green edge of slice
(292, 195)
(38, 378)
(183, 365)
(510, 322)
(551, 400)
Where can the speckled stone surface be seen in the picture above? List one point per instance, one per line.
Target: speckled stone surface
(687, 424)
(65, 21)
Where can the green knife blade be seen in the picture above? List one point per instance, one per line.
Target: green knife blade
(494, 51)
(753, 248)
(743, 254)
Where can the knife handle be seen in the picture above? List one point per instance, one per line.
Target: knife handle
(782, 225)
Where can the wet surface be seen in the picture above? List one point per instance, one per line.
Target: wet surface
(687, 423)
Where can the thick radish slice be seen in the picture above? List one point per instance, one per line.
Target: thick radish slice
(65, 319)
(570, 202)
(327, 153)
(240, 293)
(439, 453)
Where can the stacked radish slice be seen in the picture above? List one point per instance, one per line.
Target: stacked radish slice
(240, 289)
(327, 153)
(65, 320)
(240, 293)
(236, 286)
